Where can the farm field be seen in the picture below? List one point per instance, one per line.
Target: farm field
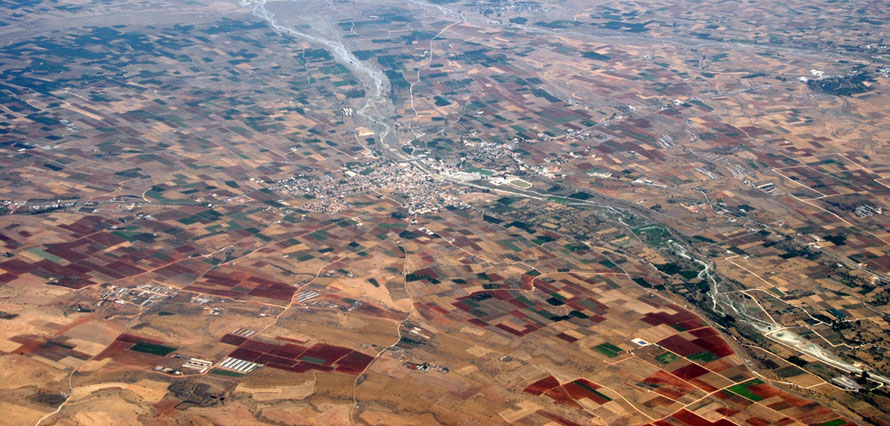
(444, 212)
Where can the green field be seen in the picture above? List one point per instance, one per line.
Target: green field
(653, 234)
(313, 360)
(45, 255)
(559, 200)
(151, 193)
(521, 184)
(591, 390)
(225, 373)
(482, 172)
(703, 356)
(678, 327)
(151, 348)
(509, 245)
(789, 371)
(608, 350)
(667, 357)
(741, 389)
(319, 235)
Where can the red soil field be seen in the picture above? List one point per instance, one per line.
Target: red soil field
(692, 419)
(702, 385)
(690, 371)
(113, 349)
(354, 363)
(678, 344)
(285, 356)
(541, 386)
(580, 389)
(288, 350)
(670, 386)
(256, 345)
(231, 339)
(566, 337)
(267, 359)
(245, 354)
(326, 352)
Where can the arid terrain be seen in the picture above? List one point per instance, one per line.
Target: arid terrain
(444, 212)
